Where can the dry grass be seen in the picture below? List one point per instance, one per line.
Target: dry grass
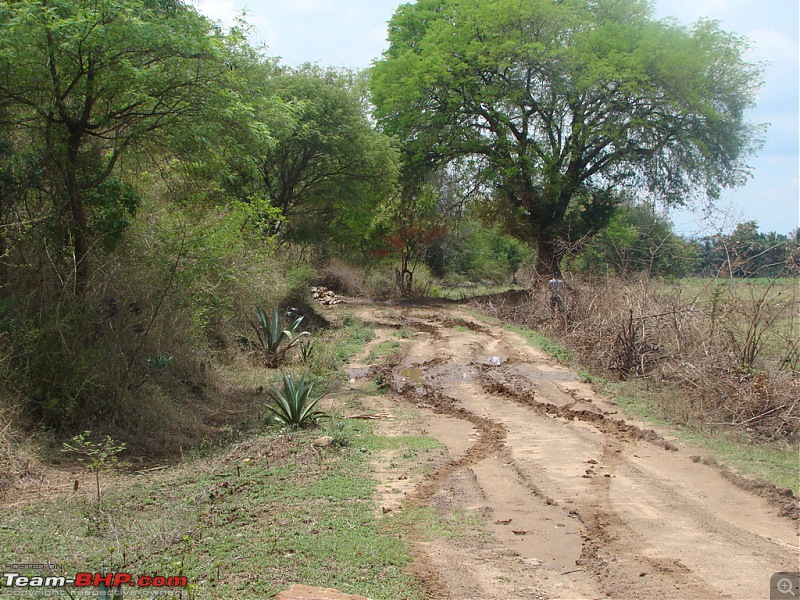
(343, 278)
(721, 353)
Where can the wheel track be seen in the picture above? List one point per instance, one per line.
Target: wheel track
(602, 526)
(598, 523)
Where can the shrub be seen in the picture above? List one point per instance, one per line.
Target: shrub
(276, 334)
(343, 278)
(292, 404)
(715, 352)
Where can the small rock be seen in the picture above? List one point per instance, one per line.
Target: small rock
(592, 462)
(532, 562)
(304, 592)
(323, 442)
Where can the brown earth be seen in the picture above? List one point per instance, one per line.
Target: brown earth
(579, 500)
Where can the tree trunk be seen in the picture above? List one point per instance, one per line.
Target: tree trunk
(79, 227)
(548, 259)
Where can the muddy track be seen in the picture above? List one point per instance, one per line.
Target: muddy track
(491, 437)
(581, 501)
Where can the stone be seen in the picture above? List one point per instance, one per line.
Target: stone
(323, 442)
(304, 592)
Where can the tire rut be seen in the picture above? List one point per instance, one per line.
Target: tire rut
(491, 438)
(455, 378)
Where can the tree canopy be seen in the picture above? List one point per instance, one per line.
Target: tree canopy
(559, 105)
(84, 81)
(330, 168)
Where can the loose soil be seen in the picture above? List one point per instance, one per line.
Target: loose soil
(579, 501)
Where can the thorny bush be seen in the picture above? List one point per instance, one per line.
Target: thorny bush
(719, 352)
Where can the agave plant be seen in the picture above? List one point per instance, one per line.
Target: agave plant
(293, 404)
(306, 350)
(276, 334)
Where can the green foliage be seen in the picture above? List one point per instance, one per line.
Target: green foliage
(86, 82)
(553, 348)
(328, 153)
(636, 240)
(306, 351)
(276, 333)
(112, 204)
(406, 227)
(332, 352)
(475, 252)
(382, 352)
(292, 404)
(97, 456)
(325, 515)
(556, 106)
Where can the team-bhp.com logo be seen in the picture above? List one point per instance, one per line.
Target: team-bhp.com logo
(87, 580)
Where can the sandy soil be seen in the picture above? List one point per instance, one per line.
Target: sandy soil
(580, 501)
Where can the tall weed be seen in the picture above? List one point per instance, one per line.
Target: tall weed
(721, 353)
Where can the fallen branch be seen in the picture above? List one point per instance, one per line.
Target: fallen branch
(371, 417)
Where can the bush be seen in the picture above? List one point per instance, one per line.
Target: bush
(342, 278)
(292, 403)
(130, 356)
(719, 352)
(276, 334)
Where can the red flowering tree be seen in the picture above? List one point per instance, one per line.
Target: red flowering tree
(405, 227)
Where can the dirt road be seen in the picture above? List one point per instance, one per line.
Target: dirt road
(582, 502)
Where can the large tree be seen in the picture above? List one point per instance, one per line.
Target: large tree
(561, 104)
(330, 167)
(82, 81)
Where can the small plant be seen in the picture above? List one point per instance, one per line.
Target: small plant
(292, 404)
(306, 350)
(97, 456)
(276, 333)
(161, 361)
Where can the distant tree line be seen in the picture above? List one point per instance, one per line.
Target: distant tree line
(747, 252)
(639, 240)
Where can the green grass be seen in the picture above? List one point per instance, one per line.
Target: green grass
(237, 528)
(461, 292)
(779, 464)
(243, 521)
(553, 349)
(457, 525)
(333, 350)
(403, 333)
(382, 351)
(483, 317)
(637, 406)
(406, 442)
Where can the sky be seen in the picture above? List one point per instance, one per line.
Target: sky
(352, 33)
